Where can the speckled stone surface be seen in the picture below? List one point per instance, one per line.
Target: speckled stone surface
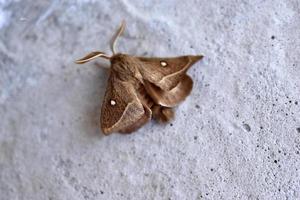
(236, 137)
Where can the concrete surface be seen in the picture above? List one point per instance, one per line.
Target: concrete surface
(236, 137)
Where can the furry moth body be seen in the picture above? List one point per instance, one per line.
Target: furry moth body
(141, 88)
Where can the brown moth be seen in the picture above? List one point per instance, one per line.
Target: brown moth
(140, 88)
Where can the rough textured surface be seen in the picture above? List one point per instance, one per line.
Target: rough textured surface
(236, 137)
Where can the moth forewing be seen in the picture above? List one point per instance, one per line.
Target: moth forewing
(167, 75)
(121, 108)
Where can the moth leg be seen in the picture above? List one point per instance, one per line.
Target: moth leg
(162, 114)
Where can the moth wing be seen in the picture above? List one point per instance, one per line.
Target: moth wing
(139, 123)
(147, 102)
(166, 73)
(122, 111)
(166, 80)
(171, 97)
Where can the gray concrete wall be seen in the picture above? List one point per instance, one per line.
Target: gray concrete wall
(236, 137)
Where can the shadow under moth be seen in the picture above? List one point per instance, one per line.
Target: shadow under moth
(141, 88)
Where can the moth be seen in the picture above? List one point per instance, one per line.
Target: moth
(141, 88)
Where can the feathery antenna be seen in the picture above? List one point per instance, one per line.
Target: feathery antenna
(116, 36)
(96, 54)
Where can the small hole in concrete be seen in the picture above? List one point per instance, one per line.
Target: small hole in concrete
(247, 127)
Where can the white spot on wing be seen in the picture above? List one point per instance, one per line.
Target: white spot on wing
(113, 102)
(163, 63)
